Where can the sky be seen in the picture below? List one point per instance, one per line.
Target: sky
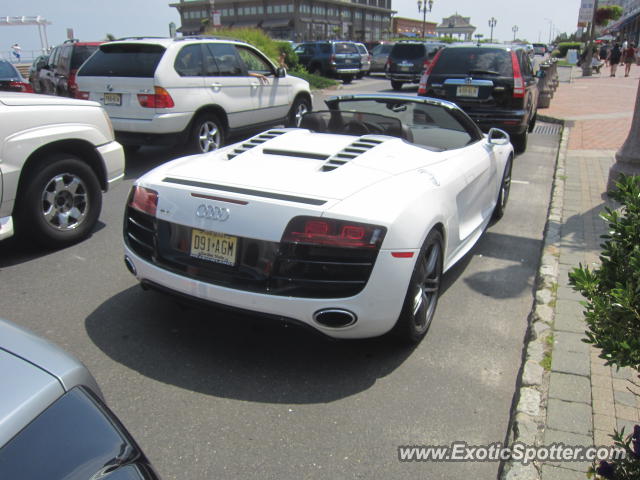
(94, 19)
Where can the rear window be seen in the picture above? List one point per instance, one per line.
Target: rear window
(346, 48)
(123, 60)
(409, 51)
(7, 70)
(464, 60)
(80, 55)
(382, 49)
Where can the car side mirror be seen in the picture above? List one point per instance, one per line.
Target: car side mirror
(281, 72)
(498, 137)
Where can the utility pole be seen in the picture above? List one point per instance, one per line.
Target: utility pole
(514, 29)
(586, 63)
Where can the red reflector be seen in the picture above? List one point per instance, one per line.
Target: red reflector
(402, 254)
(144, 199)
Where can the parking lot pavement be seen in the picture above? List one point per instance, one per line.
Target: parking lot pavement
(581, 400)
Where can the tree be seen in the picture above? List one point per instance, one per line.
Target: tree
(628, 157)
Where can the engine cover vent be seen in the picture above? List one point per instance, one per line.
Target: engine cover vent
(354, 150)
(254, 142)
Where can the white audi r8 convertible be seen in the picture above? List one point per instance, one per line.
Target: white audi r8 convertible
(345, 224)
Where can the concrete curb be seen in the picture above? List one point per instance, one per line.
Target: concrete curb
(528, 418)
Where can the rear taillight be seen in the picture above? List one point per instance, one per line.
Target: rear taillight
(82, 95)
(159, 99)
(144, 200)
(333, 233)
(332, 59)
(422, 86)
(20, 87)
(72, 85)
(518, 81)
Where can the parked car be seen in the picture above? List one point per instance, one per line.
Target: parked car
(59, 74)
(494, 84)
(408, 59)
(34, 72)
(365, 60)
(11, 80)
(58, 155)
(195, 91)
(539, 49)
(55, 423)
(339, 59)
(345, 224)
(379, 56)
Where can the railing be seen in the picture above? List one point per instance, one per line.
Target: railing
(26, 56)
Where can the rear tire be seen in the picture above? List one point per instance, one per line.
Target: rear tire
(396, 85)
(207, 134)
(520, 140)
(60, 202)
(503, 194)
(422, 295)
(300, 106)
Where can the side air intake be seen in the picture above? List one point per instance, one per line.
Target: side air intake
(354, 150)
(254, 142)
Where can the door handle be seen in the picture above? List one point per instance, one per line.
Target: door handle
(216, 87)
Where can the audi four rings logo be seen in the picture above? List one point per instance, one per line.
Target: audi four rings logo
(213, 213)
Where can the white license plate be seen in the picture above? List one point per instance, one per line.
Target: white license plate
(405, 69)
(467, 91)
(213, 246)
(112, 99)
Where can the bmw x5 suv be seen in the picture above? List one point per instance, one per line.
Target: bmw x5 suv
(494, 84)
(194, 91)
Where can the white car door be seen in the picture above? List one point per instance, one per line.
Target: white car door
(226, 84)
(270, 93)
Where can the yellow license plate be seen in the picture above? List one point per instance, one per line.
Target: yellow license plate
(112, 99)
(467, 91)
(213, 246)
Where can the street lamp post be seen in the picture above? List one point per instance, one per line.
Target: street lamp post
(424, 6)
(492, 23)
(514, 29)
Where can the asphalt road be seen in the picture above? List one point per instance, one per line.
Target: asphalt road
(211, 395)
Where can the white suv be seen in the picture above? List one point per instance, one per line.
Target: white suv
(191, 90)
(57, 155)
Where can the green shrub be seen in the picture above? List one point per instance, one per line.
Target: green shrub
(253, 36)
(291, 58)
(612, 310)
(316, 82)
(563, 47)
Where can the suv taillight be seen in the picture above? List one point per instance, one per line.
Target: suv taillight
(72, 85)
(160, 99)
(518, 81)
(422, 86)
(332, 59)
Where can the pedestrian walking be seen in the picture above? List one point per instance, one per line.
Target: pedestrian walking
(614, 58)
(17, 51)
(604, 53)
(628, 57)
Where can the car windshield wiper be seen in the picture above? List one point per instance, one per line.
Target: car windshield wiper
(486, 72)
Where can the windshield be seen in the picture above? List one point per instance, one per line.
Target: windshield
(422, 123)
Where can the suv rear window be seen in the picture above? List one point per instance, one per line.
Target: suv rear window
(346, 48)
(409, 51)
(80, 54)
(463, 60)
(123, 60)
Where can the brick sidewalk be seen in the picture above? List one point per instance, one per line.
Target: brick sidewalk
(586, 400)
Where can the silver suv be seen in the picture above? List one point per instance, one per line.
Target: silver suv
(193, 90)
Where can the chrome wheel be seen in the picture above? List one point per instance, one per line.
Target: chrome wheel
(209, 137)
(65, 202)
(300, 110)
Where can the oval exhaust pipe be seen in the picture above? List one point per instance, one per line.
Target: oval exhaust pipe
(335, 317)
(130, 266)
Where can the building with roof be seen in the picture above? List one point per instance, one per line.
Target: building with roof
(409, 27)
(295, 20)
(456, 26)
